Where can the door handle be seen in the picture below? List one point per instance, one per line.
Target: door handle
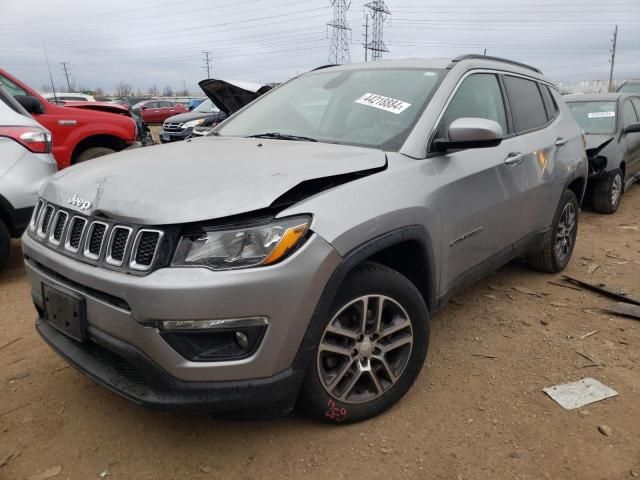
(514, 158)
(560, 141)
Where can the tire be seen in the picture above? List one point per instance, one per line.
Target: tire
(93, 152)
(608, 192)
(5, 245)
(556, 255)
(404, 310)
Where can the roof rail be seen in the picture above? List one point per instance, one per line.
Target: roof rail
(473, 56)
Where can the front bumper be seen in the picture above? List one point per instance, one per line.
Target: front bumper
(122, 309)
(167, 137)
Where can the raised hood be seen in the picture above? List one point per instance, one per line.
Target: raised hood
(231, 95)
(207, 178)
(595, 143)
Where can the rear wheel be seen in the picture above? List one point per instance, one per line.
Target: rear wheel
(608, 192)
(93, 152)
(5, 245)
(556, 255)
(372, 348)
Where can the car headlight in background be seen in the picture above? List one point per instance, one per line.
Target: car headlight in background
(252, 246)
(193, 123)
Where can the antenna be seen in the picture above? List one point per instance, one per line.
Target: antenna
(366, 36)
(339, 52)
(46, 57)
(379, 13)
(67, 72)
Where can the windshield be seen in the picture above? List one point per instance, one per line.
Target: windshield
(630, 88)
(370, 107)
(596, 118)
(206, 106)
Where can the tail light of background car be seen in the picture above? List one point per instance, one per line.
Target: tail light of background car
(34, 139)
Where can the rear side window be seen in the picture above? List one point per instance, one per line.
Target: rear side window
(628, 114)
(479, 96)
(526, 103)
(552, 106)
(636, 104)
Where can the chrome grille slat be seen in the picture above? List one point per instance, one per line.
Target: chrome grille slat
(97, 241)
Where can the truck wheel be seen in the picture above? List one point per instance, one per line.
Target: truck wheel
(556, 255)
(608, 192)
(93, 152)
(5, 245)
(372, 348)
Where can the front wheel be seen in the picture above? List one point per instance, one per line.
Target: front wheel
(372, 348)
(556, 255)
(608, 193)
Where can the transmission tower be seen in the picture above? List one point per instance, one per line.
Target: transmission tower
(379, 13)
(612, 59)
(339, 52)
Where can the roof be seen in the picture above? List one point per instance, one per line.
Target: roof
(597, 97)
(465, 61)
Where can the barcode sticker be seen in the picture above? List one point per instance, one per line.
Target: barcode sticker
(601, 114)
(387, 104)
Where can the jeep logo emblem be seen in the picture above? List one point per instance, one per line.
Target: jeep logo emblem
(81, 203)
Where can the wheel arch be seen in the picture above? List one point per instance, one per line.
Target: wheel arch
(100, 140)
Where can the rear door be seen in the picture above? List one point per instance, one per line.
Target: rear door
(631, 115)
(542, 141)
(478, 190)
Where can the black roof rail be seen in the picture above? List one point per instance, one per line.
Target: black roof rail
(477, 56)
(325, 66)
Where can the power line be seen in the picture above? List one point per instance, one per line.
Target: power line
(339, 52)
(379, 13)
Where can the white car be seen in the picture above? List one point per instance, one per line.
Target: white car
(25, 164)
(68, 97)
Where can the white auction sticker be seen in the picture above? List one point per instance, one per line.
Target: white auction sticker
(601, 114)
(387, 104)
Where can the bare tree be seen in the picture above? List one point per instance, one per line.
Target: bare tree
(167, 91)
(153, 90)
(123, 89)
(98, 92)
(46, 88)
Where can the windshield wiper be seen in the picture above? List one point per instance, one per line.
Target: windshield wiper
(282, 136)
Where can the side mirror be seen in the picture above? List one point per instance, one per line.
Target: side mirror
(144, 108)
(30, 104)
(633, 128)
(471, 132)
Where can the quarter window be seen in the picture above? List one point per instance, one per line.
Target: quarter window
(552, 106)
(479, 96)
(527, 106)
(636, 104)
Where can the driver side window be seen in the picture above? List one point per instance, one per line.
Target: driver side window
(628, 114)
(478, 96)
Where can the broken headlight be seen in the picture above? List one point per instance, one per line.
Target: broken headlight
(256, 245)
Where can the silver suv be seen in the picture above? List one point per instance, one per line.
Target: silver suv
(297, 254)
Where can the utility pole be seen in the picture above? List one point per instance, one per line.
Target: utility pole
(67, 72)
(207, 62)
(379, 13)
(613, 57)
(339, 52)
(366, 36)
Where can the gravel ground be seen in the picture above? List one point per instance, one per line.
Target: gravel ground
(477, 411)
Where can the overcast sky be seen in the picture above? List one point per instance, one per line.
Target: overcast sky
(147, 42)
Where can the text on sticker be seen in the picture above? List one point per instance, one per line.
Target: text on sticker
(601, 114)
(387, 104)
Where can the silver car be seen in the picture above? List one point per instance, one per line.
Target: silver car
(297, 254)
(25, 164)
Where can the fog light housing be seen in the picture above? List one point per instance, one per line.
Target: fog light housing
(214, 340)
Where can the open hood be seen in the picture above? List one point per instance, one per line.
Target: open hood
(231, 95)
(595, 143)
(100, 107)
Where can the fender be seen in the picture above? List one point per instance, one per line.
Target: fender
(355, 257)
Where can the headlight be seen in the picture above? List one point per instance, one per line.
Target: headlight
(242, 247)
(193, 123)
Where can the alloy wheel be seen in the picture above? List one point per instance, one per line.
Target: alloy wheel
(364, 349)
(616, 190)
(565, 232)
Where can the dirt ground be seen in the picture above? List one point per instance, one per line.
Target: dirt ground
(477, 411)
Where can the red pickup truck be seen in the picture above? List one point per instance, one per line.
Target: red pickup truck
(78, 134)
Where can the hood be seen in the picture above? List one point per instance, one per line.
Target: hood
(188, 116)
(204, 179)
(231, 95)
(595, 143)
